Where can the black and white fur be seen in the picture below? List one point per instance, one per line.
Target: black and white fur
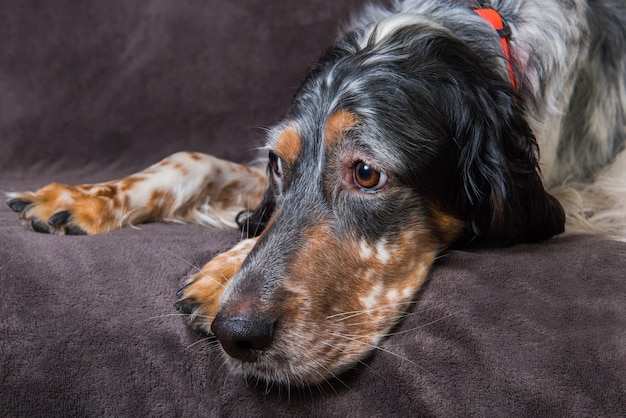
(569, 59)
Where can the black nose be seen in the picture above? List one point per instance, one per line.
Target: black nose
(243, 337)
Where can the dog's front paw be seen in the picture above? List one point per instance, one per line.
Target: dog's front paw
(67, 210)
(199, 299)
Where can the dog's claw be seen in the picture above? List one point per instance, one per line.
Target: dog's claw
(74, 230)
(18, 205)
(60, 218)
(181, 292)
(39, 226)
(184, 307)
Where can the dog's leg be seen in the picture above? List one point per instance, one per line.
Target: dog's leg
(201, 295)
(185, 187)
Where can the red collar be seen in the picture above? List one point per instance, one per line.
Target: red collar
(504, 31)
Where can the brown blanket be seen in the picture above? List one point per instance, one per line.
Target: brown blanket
(93, 90)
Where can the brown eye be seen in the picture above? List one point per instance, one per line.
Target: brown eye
(368, 178)
(275, 164)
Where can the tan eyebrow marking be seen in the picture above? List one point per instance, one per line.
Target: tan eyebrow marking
(289, 144)
(337, 124)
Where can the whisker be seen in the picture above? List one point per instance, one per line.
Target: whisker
(204, 275)
(380, 348)
(266, 130)
(421, 325)
(198, 270)
(382, 308)
(364, 364)
(400, 316)
(393, 319)
(212, 344)
(333, 376)
(268, 387)
(194, 315)
(169, 315)
(194, 266)
(379, 374)
(256, 230)
(397, 316)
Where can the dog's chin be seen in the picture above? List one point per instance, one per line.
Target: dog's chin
(278, 369)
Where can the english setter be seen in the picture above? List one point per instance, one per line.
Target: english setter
(417, 130)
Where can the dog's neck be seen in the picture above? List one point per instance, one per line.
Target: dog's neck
(504, 31)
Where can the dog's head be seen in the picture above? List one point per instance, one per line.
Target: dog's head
(391, 152)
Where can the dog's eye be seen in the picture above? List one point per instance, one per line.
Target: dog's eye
(368, 178)
(275, 164)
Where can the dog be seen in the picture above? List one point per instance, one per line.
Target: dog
(418, 130)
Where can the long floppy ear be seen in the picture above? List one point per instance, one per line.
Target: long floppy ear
(253, 222)
(504, 200)
(477, 155)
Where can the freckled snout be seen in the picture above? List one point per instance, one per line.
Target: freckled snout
(243, 336)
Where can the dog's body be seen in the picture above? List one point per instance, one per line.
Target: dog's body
(406, 138)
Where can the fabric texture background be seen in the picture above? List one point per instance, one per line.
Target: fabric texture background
(91, 91)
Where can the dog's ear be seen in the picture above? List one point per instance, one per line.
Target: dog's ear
(485, 171)
(253, 222)
(503, 197)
